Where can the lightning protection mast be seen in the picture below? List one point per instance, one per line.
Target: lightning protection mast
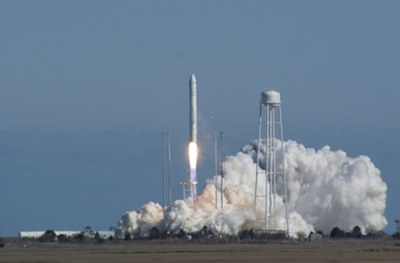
(270, 182)
(166, 179)
(218, 170)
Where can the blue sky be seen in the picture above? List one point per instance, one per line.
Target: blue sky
(86, 87)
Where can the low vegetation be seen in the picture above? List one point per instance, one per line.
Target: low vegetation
(207, 235)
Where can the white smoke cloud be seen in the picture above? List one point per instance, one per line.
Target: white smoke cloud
(325, 189)
(142, 220)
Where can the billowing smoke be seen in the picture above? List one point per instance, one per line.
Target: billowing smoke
(325, 189)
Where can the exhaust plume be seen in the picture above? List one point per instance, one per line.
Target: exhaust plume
(193, 152)
(325, 189)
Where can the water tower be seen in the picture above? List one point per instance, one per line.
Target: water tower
(270, 183)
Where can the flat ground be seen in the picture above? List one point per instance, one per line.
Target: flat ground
(325, 251)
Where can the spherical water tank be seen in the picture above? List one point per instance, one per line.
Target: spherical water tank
(271, 98)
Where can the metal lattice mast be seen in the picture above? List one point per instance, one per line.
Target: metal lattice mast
(169, 170)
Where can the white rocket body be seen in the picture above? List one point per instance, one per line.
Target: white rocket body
(193, 150)
(193, 109)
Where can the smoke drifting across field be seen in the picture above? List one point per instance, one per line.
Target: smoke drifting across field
(325, 189)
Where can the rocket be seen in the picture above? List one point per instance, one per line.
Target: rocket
(192, 147)
(193, 109)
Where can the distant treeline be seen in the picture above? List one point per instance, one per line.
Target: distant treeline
(207, 235)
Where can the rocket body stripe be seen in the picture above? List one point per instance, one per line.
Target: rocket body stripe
(193, 109)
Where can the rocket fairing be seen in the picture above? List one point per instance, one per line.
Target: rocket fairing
(193, 109)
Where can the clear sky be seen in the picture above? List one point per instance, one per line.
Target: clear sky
(86, 87)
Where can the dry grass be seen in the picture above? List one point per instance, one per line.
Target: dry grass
(327, 251)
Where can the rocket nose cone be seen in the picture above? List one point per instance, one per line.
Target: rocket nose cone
(192, 78)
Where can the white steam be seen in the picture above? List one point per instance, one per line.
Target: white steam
(325, 189)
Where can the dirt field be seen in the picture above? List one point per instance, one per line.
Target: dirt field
(326, 251)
